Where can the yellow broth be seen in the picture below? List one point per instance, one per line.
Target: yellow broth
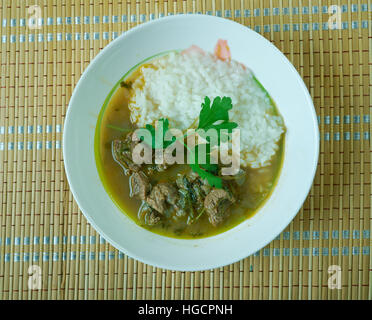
(256, 188)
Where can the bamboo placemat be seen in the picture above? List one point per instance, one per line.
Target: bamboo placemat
(41, 224)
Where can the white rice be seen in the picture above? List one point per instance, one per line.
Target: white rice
(176, 87)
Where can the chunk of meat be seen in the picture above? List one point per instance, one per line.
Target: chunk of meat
(163, 195)
(222, 50)
(139, 185)
(122, 154)
(122, 151)
(152, 218)
(216, 204)
(148, 215)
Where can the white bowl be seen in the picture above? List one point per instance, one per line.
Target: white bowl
(276, 74)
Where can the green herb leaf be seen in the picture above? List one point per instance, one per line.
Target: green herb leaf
(157, 138)
(207, 165)
(215, 116)
(219, 111)
(222, 136)
(206, 170)
(213, 180)
(210, 167)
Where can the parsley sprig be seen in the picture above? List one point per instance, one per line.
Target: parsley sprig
(212, 116)
(219, 111)
(157, 140)
(215, 116)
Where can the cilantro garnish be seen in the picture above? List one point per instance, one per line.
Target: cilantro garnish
(205, 170)
(215, 116)
(213, 180)
(159, 142)
(219, 111)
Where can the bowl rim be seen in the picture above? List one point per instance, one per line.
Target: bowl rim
(75, 192)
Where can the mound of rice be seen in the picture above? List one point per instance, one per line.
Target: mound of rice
(175, 86)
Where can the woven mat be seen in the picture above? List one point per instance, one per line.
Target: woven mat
(41, 225)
